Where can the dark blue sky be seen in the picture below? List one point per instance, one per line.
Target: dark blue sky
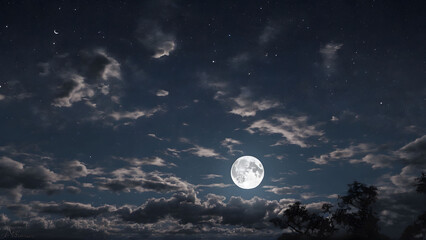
(121, 119)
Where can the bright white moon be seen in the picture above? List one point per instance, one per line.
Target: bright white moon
(247, 172)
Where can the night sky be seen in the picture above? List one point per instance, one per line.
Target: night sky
(122, 119)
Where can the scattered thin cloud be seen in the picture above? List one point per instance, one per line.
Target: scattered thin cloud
(212, 176)
(134, 115)
(154, 38)
(156, 137)
(172, 152)
(203, 152)
(329, 55)
(269, 33)
(245, 106)
(162, 93)
(281, 179)
(314, 169)
(285, 190)
(230, 143)
(133, 178)
(214, 185)
(154, 161)
(344, 153)
(294, 130)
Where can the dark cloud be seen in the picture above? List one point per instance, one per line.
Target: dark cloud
(396, 211)
(39, 228)
(73, 189)
(83, 76)
(15, 175)
(187, 208)
(71, 209)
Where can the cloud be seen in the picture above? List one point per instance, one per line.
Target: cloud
(329, 55)
(212, 176)
(314, 169)
(347, 153)
(172, 152)
(398, 210)
(73, 189)
(82, 77)
(229, 143)
(155, 136)
(244, 106)
(74, 90)
(284, 190)
(268, 34)
(154, 38)
(154, 161)
(188, 208)
(203, 152)
(294, 130)
(239, 60)
(70, 209)
(376, 160)
(179, 217)
(414, 153)
(200, 151)
(63, 228)
(281, 179)
(76, 169)
(135, 114)
(215, 185)
(127, 179)
(162, 93)
(15, 176)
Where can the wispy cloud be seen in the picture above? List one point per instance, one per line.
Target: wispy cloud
(154, 38)
(245, 106)
(285, 190)
(156, 137)
(329, 55)
(162, 93)
(294, 130)
(214, 185)
(153, 161)
(203, 152)
(229, 143)
(357, 153)
(212, 176)
(135, 114)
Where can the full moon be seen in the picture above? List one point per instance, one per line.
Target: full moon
(247, 172)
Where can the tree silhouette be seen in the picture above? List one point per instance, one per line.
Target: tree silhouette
(304, 224)
(355, 212)
(417, 230)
